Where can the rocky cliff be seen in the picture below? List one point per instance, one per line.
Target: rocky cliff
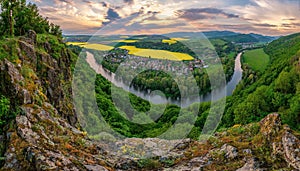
(46, 135)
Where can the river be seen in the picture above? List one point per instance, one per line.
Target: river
(157, 99)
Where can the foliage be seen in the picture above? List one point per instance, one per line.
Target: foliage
(7, 112)
(8, 49)
(4, 111)
(276, 90)
(18, 17)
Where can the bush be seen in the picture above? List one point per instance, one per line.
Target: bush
(6, 112)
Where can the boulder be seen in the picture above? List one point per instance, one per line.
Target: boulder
(251, 165)
(230, 151)
(95, 168)
(11, 80)
(270, 126)
(32, 35)
(291, 150)
(29, 52)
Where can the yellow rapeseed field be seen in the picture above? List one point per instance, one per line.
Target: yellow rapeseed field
(171, 41)
(157, 54)
(126, 41)
(180, 39)
(93, 46)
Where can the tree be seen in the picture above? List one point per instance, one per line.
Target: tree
(9, 8)
(292, 117)
(17, 18)
(284, 83)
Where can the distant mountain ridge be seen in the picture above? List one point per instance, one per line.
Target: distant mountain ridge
(234, 37)
(226, 35)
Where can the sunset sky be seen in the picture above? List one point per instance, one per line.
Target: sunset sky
(269, 17)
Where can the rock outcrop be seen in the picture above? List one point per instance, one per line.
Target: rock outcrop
(270, 126)
(251, 165)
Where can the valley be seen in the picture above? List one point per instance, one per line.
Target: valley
(138, 85)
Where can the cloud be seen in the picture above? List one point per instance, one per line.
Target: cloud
(70, 2)
(275, 17)
(111, 16)
(130, 2)
(204, 13)
(261, 16)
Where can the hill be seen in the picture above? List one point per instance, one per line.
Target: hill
(208, 34)
(276, 89)
(226, 35)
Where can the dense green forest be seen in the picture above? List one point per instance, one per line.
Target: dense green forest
(275, 90)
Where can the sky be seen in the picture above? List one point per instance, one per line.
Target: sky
(268, 17)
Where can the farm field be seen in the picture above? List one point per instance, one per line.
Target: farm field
(171, 41)
(157, 54)
(93, 46)
(257, 59)
(126, 41)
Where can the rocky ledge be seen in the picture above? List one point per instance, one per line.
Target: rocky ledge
(44, 141)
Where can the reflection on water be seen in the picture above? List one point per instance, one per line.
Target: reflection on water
(158, 99)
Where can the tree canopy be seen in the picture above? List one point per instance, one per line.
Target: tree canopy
(18, 17)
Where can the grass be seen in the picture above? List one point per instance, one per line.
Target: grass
(157, 54)
(93, 46)
(8, 49)
(217, 42)
(257, 59)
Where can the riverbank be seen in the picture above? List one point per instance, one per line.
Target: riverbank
(158, 99)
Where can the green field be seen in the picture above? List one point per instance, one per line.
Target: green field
(257, 59)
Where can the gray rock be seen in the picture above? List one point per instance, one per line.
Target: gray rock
(251, 165)
(32, 35)
(270, 126)
(95, 168)
(230, 151)
(29, 51)
(291, 150)
(25, 131)
(27, 97)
